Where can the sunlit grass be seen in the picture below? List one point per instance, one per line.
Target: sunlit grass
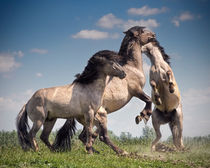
(11, 155)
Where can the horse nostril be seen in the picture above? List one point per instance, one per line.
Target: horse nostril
(124, 74)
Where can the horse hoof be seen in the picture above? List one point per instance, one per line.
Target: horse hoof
(138, 119)
(95, 151)
(146, 118)
(124, 153)
(158, 101)
(171, 90)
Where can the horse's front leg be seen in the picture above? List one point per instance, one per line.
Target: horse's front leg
(147, 111)
(83, 137)
(89, 117)
(157, 98)
(103, 134)
(170, 82)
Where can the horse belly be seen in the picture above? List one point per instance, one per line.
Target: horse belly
(115, 97)
(63, 105)
(170, 101)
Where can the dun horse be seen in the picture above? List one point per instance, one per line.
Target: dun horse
(82, 98)
(165, 94)
(119, 92)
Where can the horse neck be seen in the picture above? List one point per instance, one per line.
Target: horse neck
(156, 57)
(99, 84)
(130, 50)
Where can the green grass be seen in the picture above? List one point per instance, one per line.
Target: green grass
(11, 155)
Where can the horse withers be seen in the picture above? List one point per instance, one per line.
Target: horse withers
(165, 94)
(82, 98)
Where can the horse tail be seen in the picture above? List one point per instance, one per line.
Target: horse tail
(23, 128)
(63, 137)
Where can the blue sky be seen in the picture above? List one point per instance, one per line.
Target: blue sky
(45, 43)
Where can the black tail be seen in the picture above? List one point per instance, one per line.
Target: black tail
(23, 128)
(64, 135)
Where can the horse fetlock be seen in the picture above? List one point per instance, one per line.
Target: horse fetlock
(89, 149)
(35, 145)
(138, 119)
(158, 99)
(171, 87)
(153, 148)
(101, 138)
(153, 84)
(123, 153)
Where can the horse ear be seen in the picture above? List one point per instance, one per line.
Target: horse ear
(131, 33)
(125, 32)
(135, 31)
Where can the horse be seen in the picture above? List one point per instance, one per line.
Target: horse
(165, 94)
(119, 92)
(82, 98)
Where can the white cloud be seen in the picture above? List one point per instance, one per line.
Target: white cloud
(94, 35)
(18, 53)
(195, 97)
(146, 11)
(176, 22)
(38, 74)
(185, 16)
(8, 62)
(39, 51)
(150, 23)
(10, 107)
(109, 21)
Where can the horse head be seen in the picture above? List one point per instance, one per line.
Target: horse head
(140, 33)
(111, 67)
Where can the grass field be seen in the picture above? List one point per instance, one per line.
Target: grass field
(197, 155)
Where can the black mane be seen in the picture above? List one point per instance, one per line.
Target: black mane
(90, 73)
(125, 49)
(166, 57)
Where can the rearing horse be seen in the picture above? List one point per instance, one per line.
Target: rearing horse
(165, 94)
(119, 92)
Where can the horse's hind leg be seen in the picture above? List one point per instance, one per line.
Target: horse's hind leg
(89, 117)
(103, 134)
(156, 126)
(83, 136)
(47, 128)
(176, 126)
(32, 134)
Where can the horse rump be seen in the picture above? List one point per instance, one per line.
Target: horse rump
(63, 137)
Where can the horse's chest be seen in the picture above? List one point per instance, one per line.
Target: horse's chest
(116, 95)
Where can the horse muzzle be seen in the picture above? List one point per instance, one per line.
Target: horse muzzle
(122, 75)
